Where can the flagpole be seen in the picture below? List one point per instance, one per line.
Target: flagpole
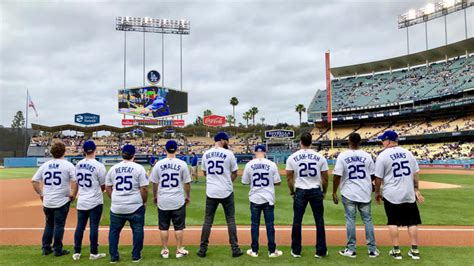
(26, 124)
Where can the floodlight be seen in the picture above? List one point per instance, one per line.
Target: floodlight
(411, 14)
(448, 3)
(430, 8)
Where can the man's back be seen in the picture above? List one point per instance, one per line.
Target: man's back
(90, 176)
(261, 174)
(307, 165)
(219, 163)
(126, 178)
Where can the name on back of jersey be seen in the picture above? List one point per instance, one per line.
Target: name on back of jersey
(86, 166)
(306, 156)
(170, 166)
(259, 166)
(354, 159)
(398, 155)
(124, 170)
(217, 154)
(53, 166)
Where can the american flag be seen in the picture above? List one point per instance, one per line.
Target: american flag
(31, 104)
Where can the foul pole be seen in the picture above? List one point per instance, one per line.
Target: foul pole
(329, 96)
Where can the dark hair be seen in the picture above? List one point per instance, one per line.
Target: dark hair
(354, 138)
(90, 152)
(127, 156)
(306, 139)
(58, 149)
(193, 153)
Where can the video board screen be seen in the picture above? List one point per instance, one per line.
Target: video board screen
(152, 101)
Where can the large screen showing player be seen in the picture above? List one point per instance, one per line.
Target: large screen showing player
(152, 101)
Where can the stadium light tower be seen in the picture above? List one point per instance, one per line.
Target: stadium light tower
(153, 25)
(432, 11)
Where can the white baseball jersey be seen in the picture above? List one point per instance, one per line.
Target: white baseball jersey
(261, 174)
(56, 175)
(307, 165)
(90, 176)
(219, 163)
(170, 174)
(396, 166)
(126, 178)
(355, 168)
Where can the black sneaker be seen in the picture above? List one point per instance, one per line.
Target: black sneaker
(201, 253)
(414, 254)
(396, 254)
(62, 253)
(46, 252)
(374, 254)
(322, 256)
(237, 253)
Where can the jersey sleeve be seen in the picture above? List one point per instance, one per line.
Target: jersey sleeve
(276, 174)
(324, 164)
(246, 175)
(101, 174)
(371, 166)
(414, 162)
(142, 178)
(203, 163)
(379, 167)
(155, 175)
(71, 172)
(339, 168)
(39, 174)
(233, 164)
(108, 178)
(289, 164)
(185, 174)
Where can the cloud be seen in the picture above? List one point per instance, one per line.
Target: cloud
(269, 54)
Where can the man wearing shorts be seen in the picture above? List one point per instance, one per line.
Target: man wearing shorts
(171, 193)
(397, 169)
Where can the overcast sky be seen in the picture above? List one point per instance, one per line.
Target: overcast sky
(268, 54)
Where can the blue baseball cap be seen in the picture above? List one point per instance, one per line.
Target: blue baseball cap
(260, 148)
(89, 146)
(221, 136)
(389, 135)
(128, 149)
(171, 146)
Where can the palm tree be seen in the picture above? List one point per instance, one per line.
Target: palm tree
(230, 119)
(253, 112)
(247, 117)
(207, 112)
(299, 108)
(234, 102)
(262, 119)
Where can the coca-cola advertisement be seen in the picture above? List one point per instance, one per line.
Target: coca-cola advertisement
(214, 120)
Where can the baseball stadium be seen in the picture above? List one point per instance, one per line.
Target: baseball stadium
(425, 98)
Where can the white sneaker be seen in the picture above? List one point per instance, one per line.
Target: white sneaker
(97, 256)
(251, 253)
(348, 253)
(295, 255)
(374, 254)
(321, 256)
(76, 256)
(414, 254)
(182, 252)
(165, 253)
(275, 254)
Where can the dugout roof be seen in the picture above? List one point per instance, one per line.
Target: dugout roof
(94, 128)
(433, 55)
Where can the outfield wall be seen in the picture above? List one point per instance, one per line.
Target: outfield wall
(17, 162)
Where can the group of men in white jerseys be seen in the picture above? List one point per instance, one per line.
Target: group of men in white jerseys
(126, 183)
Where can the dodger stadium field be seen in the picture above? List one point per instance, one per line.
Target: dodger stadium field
(447, 234)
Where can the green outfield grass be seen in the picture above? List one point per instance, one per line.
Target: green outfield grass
(442, 206)
(220, 255)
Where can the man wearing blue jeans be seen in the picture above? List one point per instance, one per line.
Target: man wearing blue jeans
(354, 171)
(262, 176)
(56, 195)
(90, 180)
(127, 186)
(307, 175)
